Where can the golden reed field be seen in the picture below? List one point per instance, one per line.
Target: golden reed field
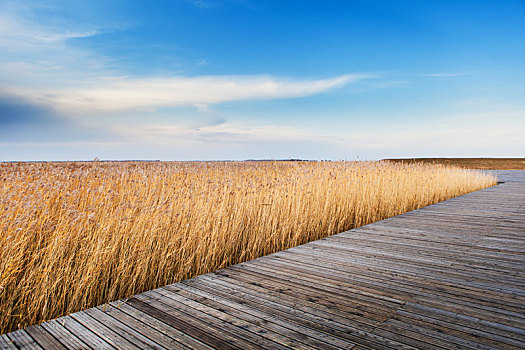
(78, 234)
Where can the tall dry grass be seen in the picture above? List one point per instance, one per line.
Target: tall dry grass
(74, 235)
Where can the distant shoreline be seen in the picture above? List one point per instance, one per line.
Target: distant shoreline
(470, 163)
(158, 160)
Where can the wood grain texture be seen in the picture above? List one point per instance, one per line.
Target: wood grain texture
(447, 276)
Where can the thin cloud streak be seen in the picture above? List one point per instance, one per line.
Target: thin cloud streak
(224, 132)
(16, 34)
(129, 94)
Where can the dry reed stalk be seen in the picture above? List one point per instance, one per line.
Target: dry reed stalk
(75, 235)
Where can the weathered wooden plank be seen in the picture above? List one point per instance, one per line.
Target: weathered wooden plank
(192, 326)
(293, 333)
(479, 227)
(247, 322)
(500, 316)
(361, 347)
(463, 273)
(432, 335)
(296, 303)
(399, 257)
(289, 316)
(415, 339)
(338, 290)
(348, 302)
(46, 340)
(511, 296)
(129, 332)
(481, 249)
(68, 339)
(411, 290)
(319, 258)
(161, 327)
(457, 291)
(340, 286)
(353, 334)
(475, 323)
(219, 319)
(441, 240)
(141, 328)
(494, 204)
(93, 340)
(23, 340)
(509, 230)
(6, 343)
(419, 258)
(455, 269)
(476, 335)
(109, 335)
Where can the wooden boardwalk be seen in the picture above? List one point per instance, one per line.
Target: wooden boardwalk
(448, 276)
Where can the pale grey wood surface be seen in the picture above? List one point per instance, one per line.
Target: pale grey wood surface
(447, 276)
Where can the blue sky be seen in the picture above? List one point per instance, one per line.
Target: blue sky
(239, 79)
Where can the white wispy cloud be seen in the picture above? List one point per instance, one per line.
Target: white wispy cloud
(126, 93)
(40, 65)
(39, 52)
(19, 34)
(223, 132)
